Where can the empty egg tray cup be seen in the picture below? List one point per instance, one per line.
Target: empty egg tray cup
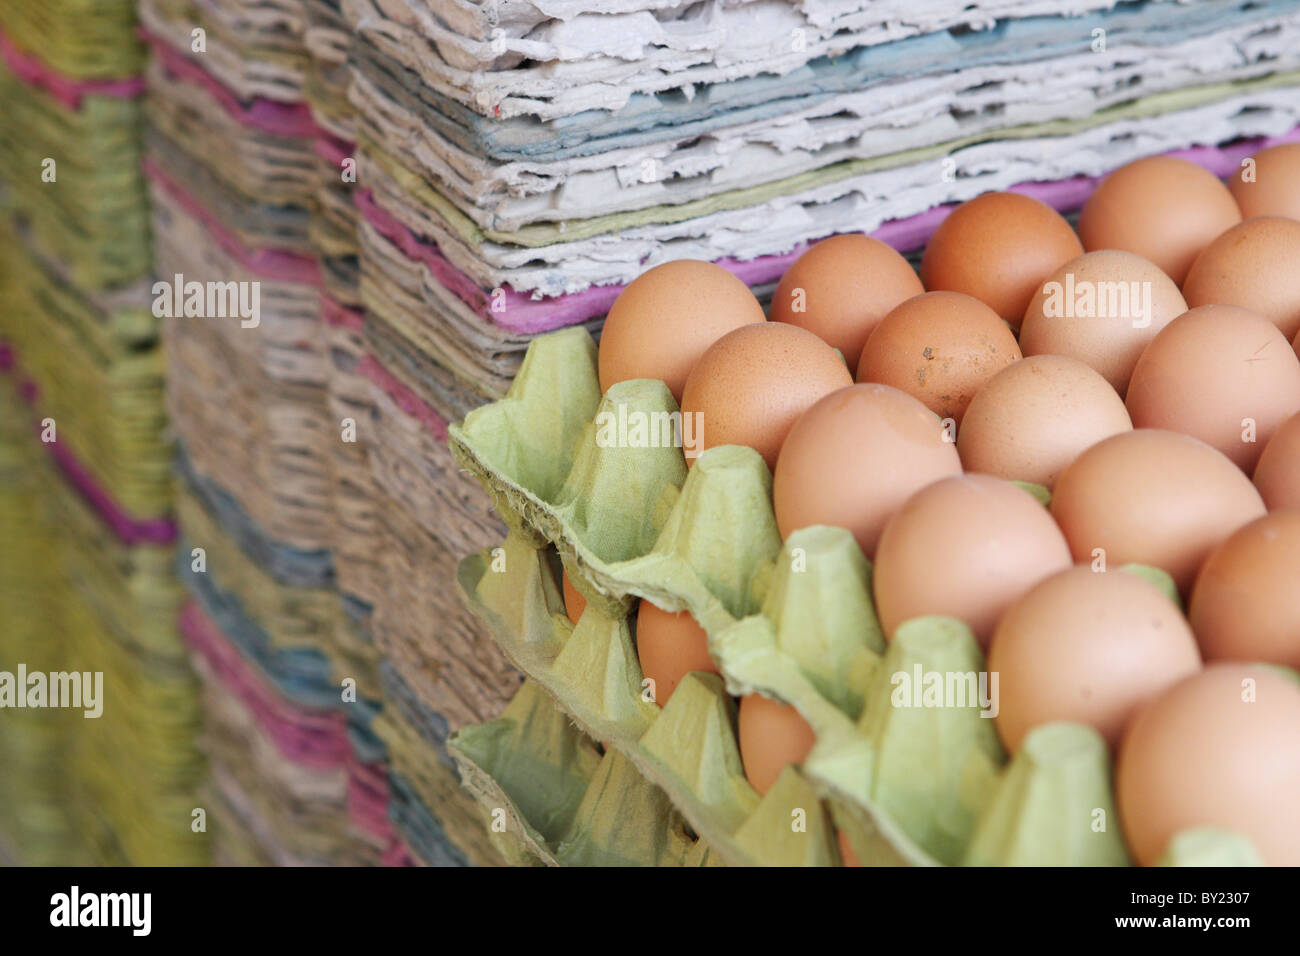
(906, 785)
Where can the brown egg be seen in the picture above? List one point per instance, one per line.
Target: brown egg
(669, 647)
(1277, 474)
(772, 737)
(1088, 647)
(1102, 308)
(853, 459)
(1220, 374)
(662, 323)
(1033, 418)
(752, 384)
(1152, 497)
(1270, 184)
(841, 287)
(999, 248)
(1218, 749)
(997, 543)
(1252, 265)
(939, 347)
(574, 602)
(1246, 603)
(1160, 208)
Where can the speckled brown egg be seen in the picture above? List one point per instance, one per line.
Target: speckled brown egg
(1218, 749)
(1089, 647)
(940, 348)
(665, 319)
(1220, 374)
(1032, 419)
(670, 646)
(751, 385)
(1277, 473)
(1253, 265)
(1103, 309)
(1161, 208)
(1152, 497)
(772, 737)
(841, 287)
(998, 541)
(1245, 605)
(999, 248)
(853, 458)
(1269, 184)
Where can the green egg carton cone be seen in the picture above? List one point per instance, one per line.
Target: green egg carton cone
(1054, 806)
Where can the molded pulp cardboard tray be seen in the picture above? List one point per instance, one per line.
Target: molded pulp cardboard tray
(88, 40)
(100, 373)
(34, 821)
(794, 621)
(909, 93)
(94, 215)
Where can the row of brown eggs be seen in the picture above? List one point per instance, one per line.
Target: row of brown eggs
(1142, 381)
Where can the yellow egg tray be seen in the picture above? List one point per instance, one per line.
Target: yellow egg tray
(73, 596)
(89, 208)
(99, 366)
(84, 39)
(34, 824)
(919, 785)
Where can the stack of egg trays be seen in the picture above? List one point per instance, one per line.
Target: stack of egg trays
(116, 604)
(425, 514)
(793, 620)
(35, 828)
(117, 612)
(267, 84)
(394, 570)
(233, 174)
(439, 660)
(77, 253)
(138, 766)
(422, 792)
(502, 169)
(292, 755)
(429, 809)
